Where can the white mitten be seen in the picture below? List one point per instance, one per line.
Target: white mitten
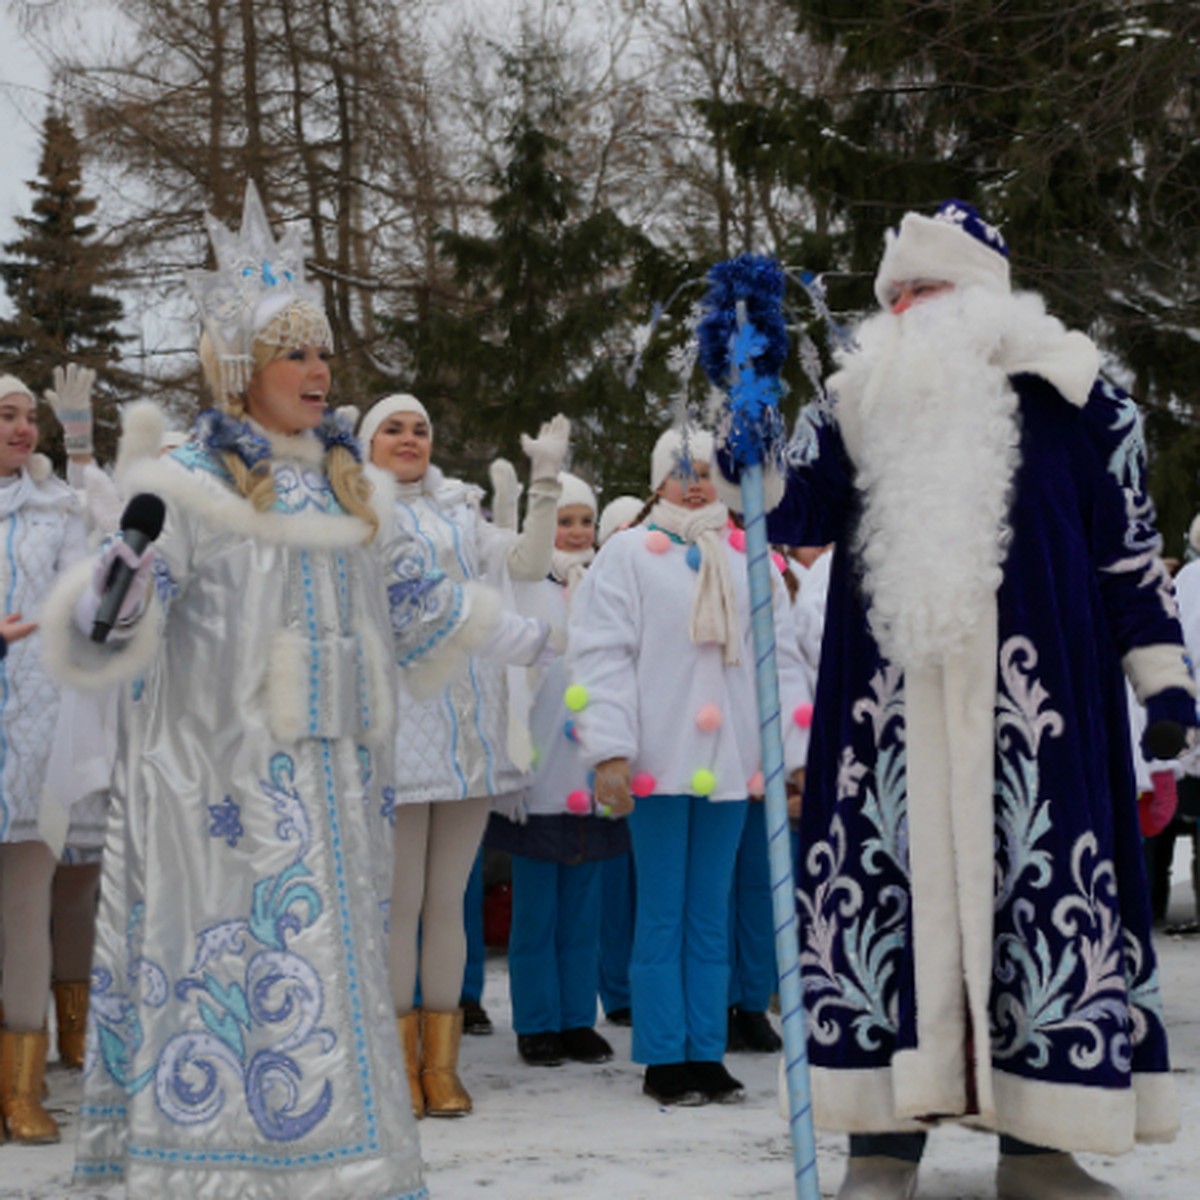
(136, 598)
(612, 788)
(71, 399)
(506, 494)
(547, 451)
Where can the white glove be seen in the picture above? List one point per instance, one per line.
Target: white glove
(547, 451)
(506, 492)
(612, 788)
(136, 598)
(71, 399)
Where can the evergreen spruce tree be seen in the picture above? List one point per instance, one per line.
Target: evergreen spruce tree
(1070, 126)
(55, 273)
(543, 300)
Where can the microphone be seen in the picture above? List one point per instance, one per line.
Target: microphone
(141, 523)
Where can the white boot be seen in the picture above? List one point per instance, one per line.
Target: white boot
(1049, 1176)
(875, 1177)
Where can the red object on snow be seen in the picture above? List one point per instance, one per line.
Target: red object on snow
(497, 914)
(1156, 809)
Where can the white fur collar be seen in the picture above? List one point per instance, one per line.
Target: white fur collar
(443, 490)
(303, 447)
(213, 501)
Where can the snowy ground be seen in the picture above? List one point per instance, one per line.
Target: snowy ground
(582, 1133)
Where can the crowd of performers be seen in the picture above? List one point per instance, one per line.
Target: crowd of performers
(333, 679)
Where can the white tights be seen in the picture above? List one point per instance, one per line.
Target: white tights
(26, 875)
(435, 848)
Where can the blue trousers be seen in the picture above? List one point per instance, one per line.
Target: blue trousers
(752, 972)
(472, 988)
(618, 897)
(683, 851)
(554, 945)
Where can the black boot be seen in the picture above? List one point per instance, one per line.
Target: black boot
(715, 1082)
(755, 1032)
(672, 1083)
(541, 1049)
(585, 1045)
(475, 1018)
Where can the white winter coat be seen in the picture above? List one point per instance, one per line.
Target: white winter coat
(647, 681)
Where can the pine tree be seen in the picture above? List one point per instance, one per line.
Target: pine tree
(544, 299)
(55, 273)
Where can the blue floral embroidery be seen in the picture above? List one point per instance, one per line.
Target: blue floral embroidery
(387, 810)
(336, 430)
(220, 432)
(165, 586)
(303, 488)
(226, 821)
(279, 995)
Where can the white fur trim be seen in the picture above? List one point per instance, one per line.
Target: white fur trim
(381, 686)
(435, 671)
(929, 249)
(1152, 669)
(286, 689)
(730, 493)
(383, 499)
(216, 504)
(40, 468)
(142, 426)
(856, 1102)
(296, 447)
(667, 451)
(72, 658)
(379, 412)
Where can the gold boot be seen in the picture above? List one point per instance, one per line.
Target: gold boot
(409, 1027)
(22, 1075)
(70, 1010)
(441, 1033)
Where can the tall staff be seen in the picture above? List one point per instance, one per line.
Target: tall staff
(743, 343)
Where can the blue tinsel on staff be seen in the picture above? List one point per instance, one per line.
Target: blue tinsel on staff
(743, 345)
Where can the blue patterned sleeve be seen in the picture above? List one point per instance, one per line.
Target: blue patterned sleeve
(818, 491)
(1135, 584)
(425, 606)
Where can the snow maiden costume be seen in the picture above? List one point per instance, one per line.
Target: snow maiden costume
(975, 927)
(455, 745)
(41, 535)
(240, 1039)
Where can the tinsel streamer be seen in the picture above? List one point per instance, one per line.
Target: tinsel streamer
(743, 343)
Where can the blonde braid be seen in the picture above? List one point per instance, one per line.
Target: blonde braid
(258, 485)
(351, 486)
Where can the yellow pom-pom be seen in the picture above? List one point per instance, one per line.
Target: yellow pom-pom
(576, 697)
(704, 782)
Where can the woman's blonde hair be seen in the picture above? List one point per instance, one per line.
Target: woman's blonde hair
(295, 326)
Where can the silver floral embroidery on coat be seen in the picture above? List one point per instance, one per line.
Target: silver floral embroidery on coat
(834, 915)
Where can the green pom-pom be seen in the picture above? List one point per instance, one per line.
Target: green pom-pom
(704, 782)
(576, 697)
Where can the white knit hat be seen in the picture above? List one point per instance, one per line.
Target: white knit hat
(616, 515)
(379, 412)
(954, 245)
(575, 491)
(10, 384)
(670, 450)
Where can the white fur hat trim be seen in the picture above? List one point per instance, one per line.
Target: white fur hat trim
(669, 449)
(379, 412)
(575, 491)
(926, 248)
(616, 515)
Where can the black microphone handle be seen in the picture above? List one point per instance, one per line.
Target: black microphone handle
(120, 578)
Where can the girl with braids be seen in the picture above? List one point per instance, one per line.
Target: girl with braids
(241, 1039)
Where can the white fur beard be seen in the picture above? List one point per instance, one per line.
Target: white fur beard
(930, 422)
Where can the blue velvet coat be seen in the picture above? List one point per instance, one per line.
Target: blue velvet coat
(1078, 1053)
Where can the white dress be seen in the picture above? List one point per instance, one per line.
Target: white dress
(241, 1040)
(41, 535)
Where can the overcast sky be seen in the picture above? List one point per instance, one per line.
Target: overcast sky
(23, 82)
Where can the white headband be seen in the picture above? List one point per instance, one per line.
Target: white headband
(379, 412)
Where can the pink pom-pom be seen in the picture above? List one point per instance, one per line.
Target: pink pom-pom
(709, 718)
(779, 561)
(643, 784)
(657, 542)
(579, 802)
(737, 539)
(802, 715)
(756, 786)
